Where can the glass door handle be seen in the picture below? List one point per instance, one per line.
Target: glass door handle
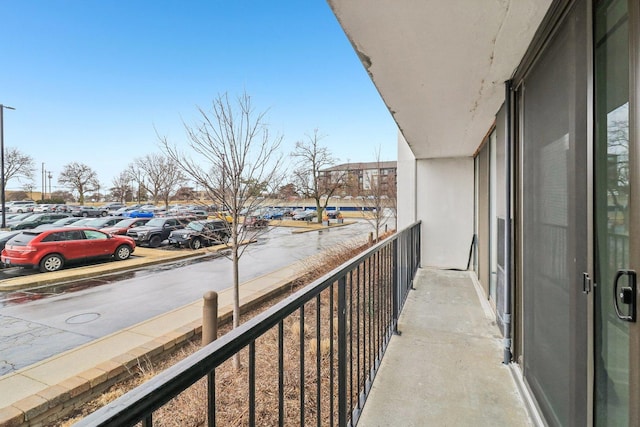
(625, 294)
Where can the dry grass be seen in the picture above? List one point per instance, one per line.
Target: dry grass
(189, 408)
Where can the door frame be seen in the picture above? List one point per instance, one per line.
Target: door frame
(634, 195)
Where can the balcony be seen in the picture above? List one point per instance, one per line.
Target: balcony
(441, 348)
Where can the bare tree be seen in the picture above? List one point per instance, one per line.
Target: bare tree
(233, 144)
(162, 175)
(28, 187)
(377, 195)
(121, 186)
(17, 165)
(80, 178)
(311, 159)
(137, 176)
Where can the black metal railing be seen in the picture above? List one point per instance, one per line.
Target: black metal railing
(308, 360)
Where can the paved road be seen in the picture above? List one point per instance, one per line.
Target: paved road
(37, 329)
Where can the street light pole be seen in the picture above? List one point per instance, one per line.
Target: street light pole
(49, 176)
(2, 198)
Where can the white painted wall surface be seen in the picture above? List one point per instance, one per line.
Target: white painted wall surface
(445, 205)
(406, 190)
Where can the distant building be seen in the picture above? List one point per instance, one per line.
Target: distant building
(361, 178)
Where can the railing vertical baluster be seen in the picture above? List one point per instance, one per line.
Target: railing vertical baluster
(331, 364)
(358, 305)
(395, 287)
(387, 284)
(342, 352)
(252, 383)
(211, 398)
(349, 306)
(379, 284)
(302, 397)
(370, 313)
(281, 373)
(365, 310)
(318, 360)
(148, 421)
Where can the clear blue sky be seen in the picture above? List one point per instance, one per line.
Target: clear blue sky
(91, 80)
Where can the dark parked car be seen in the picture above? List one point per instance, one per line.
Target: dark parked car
(64, 208)
(50, 250)
(17, 218)
(254, 221)
(201, 233)
(38, 219)
(59, 223)
(123, 225)
(103, 222)
(157, 230)
(86, 211)
(305, 216)
(113, 206)
(332, 213)
(273, 214)
(5, 236)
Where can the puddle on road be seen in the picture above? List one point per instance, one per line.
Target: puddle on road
(46, 291)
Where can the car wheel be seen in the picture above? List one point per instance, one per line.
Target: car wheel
(123, 252)
(196, 243)
(85, 214)
(52, 262)
(104, 213)
(19, 210)
(155, 241)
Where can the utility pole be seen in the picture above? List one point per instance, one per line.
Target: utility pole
(44, 184)
(4, 184)
(49, 176)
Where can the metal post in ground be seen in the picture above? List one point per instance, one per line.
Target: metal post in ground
(209, 317)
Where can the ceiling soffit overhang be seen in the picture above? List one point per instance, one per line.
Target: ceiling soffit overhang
(440, 67)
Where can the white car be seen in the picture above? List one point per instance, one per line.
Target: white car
(42, 208)
(21, 206)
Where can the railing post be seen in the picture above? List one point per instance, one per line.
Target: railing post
(209, 335)
(342, 352)
(395, 292)
(209, 318)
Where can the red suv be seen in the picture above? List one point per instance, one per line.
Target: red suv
(49, 250)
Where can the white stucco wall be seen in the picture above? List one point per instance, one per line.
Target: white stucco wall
(406, 190)
(445, 197)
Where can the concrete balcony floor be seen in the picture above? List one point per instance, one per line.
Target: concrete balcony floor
(445, 369)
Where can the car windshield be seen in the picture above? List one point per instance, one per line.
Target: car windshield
(33, 217)
(63, 221)
(125, 222)
(20, 217)
(156, 222)
(197, 226)
(99, 222)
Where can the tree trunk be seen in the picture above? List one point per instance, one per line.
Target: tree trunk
(236, 293)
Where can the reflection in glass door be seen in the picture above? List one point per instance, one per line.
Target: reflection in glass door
(612, 212)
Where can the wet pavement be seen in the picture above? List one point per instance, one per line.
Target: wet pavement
(49, 319)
